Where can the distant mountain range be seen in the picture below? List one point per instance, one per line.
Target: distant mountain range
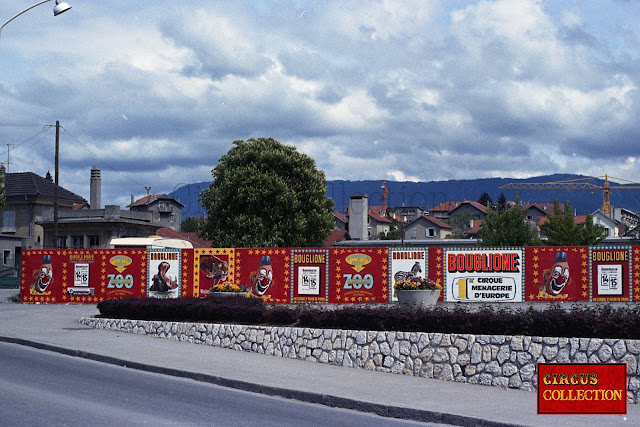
(432, 193)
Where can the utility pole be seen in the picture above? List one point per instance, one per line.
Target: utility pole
(55, 189)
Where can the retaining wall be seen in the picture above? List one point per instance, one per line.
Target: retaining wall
(494, 360)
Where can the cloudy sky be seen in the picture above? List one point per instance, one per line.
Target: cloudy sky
(154, 92)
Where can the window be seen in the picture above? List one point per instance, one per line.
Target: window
(173, 217)
(77, 242)
(6, 257)
(9, 222)
(94, 241)
(414, 233)
(431, 232)
(62, 242)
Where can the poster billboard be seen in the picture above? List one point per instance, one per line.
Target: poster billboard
(82, 276)
(164, 278)
(406, 264)
(484, 275)
(310, 275)
(610, 273)
(359, 275)
(557, 273)
(265, 272)
(212, 266)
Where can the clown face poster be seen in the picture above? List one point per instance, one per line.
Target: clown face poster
(265, 273)
(557, 273)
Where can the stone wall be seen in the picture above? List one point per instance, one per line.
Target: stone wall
(504, 361)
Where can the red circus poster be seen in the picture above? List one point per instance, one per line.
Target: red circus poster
(359, 275)
(82, 276)
(265, 272)
(212, 266)
(557, 273)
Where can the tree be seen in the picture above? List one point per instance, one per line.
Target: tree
(394, 232)
(507, 227)
(267, 194)
(459, 224)
(485, 199)
(502, 202)
(562, 230)
(191, 224)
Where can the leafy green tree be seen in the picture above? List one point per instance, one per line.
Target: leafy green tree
(191, 224)
(507, 227)
(562, 230)
(266, 194)
(503, 204)
(459, 224)
(485, 199)
(394, 232)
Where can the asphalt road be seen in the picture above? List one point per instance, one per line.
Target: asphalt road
(45, 388)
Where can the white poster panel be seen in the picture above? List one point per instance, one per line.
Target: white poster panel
(309, 280)
(610, 279)
(484, 275)
(164, 273)
(405, 265)
(81, 275)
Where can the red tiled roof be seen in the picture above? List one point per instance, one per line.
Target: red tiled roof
(475, 228)
(340, 216)
(335, 236)
(437, 222)
(578, 219)
(196, 241)
(477, 205)
(376, 213)
(544, 207)
(444, 207)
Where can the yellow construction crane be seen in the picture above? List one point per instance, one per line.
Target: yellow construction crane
(577, 184)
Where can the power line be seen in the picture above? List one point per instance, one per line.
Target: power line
(101, 159)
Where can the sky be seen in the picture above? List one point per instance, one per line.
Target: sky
(155, 92)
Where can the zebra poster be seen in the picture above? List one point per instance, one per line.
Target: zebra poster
(406, 264)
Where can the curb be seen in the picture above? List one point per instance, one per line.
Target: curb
(303, 396)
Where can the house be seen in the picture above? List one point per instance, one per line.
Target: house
(472, 209)
(611, 226)
(29, 199)
(627, 217)
(407, 213)
(89, 226)
(168, 209)
(442, 210)
(577, 219)
(426, 227)
(94, 228)
(341, 221)
(377, 222)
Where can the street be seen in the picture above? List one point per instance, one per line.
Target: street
(46, 388)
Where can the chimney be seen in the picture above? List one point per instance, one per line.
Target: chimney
(95, 188)
(358, 216)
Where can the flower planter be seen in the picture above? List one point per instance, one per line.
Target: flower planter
(427, 298)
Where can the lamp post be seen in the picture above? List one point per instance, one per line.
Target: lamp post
(59, 8)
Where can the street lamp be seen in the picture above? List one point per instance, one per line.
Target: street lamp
(59, 8)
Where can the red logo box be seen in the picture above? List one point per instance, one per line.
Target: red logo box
(582, 388)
